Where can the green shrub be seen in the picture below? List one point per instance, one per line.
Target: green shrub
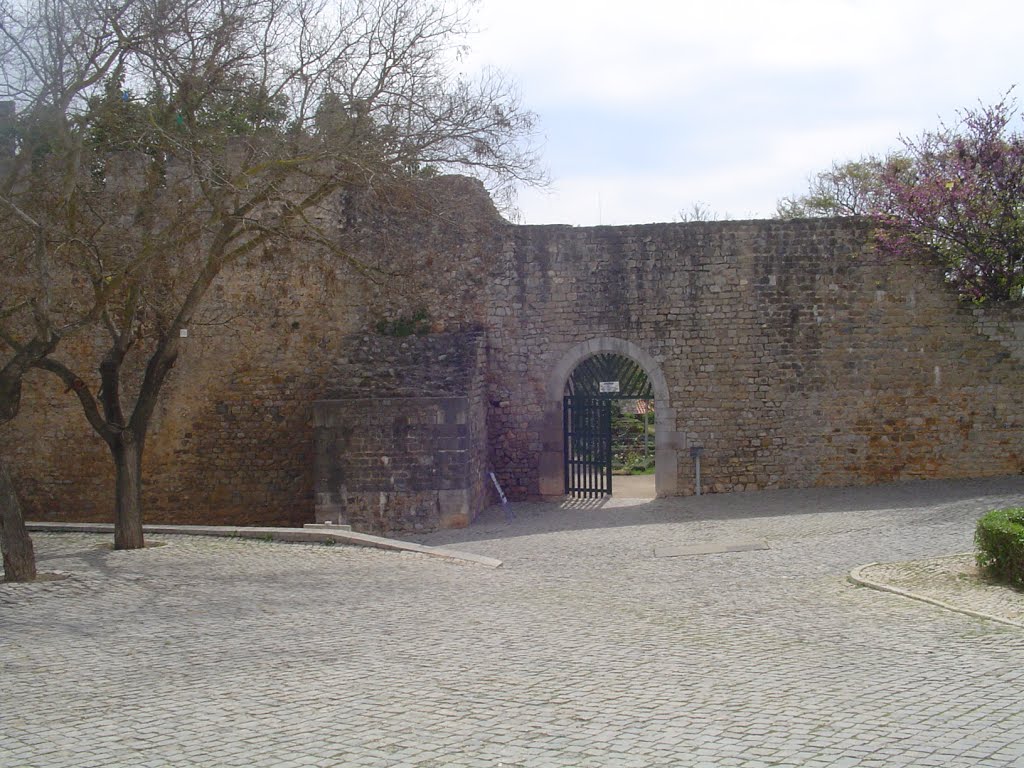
(1000, 541)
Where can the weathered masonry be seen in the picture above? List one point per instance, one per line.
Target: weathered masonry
(417, 447)
(791, 354)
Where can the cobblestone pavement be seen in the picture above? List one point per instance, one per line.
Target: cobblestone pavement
(585, 649)
(954, 581)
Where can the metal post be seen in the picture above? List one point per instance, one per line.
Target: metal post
(695, 452)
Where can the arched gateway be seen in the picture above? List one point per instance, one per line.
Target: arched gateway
(789, 352)
(553, 458)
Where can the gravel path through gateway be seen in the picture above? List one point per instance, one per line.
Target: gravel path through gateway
(585, 649)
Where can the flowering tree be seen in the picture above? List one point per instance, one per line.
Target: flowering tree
(956, 193)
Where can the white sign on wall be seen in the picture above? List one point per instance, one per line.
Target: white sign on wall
(609, 386)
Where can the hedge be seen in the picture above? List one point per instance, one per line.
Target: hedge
(1000, 541)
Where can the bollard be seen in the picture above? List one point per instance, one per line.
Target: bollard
(695, 452)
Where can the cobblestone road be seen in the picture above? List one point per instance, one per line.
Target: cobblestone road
(585, 649)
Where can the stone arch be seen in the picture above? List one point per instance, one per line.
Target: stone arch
(552, 477)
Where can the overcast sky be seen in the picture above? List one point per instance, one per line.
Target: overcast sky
(649, 106)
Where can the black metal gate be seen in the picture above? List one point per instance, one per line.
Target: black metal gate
(587, 431)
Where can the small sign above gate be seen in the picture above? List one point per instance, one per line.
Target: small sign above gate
(609, 386)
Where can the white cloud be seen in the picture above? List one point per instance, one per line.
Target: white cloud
(654, 105)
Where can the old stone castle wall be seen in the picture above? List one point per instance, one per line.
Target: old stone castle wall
(792, 353)
(233, 438)
(413, 456)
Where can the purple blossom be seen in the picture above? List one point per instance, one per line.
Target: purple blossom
(958, 193)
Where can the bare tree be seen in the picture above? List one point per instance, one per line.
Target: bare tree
(49, 63)
(212, 132)
(699, 211)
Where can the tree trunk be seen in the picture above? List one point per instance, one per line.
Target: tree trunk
(18, 553)
(127, 452)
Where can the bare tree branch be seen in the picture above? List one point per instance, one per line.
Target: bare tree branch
(159, 143)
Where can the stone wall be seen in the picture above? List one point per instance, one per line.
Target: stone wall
(412, 457)
(1004, 324)
(791, 352)
(232, 441)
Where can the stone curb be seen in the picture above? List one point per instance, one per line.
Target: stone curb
(857, 577)
(301, 535)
